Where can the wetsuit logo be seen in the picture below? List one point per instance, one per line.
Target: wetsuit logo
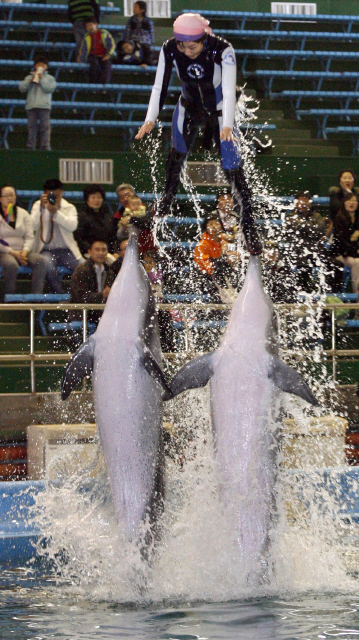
(229, 58)
(195, 71)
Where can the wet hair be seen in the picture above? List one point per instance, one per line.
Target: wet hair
(142, 5)
(41, 58)
(94, 188)
(346, 171)
(4, 186)
(303, 194)
(53, 184)
(125, 185)
(209, 218)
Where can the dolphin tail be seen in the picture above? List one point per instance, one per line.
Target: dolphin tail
(192, 375)
(289, 380)
(80, 365)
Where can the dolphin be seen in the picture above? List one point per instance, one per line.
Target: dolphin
(124, 357)
(244, 375)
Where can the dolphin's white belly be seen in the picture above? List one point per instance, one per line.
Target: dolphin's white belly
(129, 422)
(240, 396)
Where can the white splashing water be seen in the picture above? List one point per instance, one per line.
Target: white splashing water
(198, 557)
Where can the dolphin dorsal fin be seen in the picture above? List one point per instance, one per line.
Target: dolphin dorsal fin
(80, 365)
(289, 380)
(192, 375)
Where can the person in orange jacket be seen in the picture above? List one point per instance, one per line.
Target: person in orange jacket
(213, 256)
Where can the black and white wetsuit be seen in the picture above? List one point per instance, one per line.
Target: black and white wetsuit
(207, 101)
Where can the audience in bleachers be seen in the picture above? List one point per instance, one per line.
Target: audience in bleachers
(55, 221)
(97, 48)
(139, 27)
(346, 180)
(225, 208)
(345, 248)
(16, 243)
(92, 280)
(95, 221)
(39, 86)
(116, 266)
(155, 276)
(78, 11)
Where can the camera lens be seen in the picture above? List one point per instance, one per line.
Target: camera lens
(51, 198)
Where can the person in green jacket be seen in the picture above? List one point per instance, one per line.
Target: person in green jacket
(39, 86)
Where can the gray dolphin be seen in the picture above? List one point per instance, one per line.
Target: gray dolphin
(124, 356)
(244, 374)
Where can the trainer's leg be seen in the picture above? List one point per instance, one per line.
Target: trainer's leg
(184, 132)
(231, 164)
(10, 267)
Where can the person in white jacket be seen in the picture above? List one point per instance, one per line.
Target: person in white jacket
(55, 220)
(16, 242)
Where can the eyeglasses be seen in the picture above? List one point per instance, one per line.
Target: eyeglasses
(10, 195)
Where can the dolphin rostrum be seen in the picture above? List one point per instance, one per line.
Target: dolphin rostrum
(243, 375)
(124, 356)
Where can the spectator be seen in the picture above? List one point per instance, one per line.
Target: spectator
(116, 266)
(132, 52)
(226, 214)
(345, 246)
(346, 180)
(155, 277)
(124, 191)
(79, 11)
(39, 86)
(92, 280)
(136, 215)
(97, 47)
(95, 221)
(214, 258)
(139, 28)
(55, 221)
(16, 241)
(305, 234)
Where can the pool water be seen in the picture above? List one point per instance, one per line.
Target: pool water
(35, 609)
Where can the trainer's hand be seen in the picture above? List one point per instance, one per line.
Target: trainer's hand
(146, 128)
(226, 134)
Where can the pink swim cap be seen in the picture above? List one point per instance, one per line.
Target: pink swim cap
(190, 27)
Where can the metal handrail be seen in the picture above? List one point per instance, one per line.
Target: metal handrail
(34, 357)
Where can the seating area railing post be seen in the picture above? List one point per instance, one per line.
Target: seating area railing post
(32, 351)
(334, 359)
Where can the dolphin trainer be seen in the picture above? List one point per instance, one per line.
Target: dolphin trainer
(243, 375)
(124, 356)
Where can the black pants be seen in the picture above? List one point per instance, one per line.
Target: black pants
(100, 70)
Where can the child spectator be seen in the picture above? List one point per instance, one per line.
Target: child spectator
(136, 215)
(39, 86)
(95, 221)
(79, 11)
(97, 47)
(55, 221)
(16, 241)
(139, 27)
(132, 52)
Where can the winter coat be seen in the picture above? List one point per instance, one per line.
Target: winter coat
(38, 93)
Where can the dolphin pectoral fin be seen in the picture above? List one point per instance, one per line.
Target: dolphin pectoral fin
(153, 369)
(192, 375)
(80, 365)
(289, 380)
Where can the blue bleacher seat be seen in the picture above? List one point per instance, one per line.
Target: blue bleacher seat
(74, 325)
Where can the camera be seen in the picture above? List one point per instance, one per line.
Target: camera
(51, 198)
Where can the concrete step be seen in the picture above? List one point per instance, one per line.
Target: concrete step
(266, 115)
(302, 151)
(43, 344)
(284, 134)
